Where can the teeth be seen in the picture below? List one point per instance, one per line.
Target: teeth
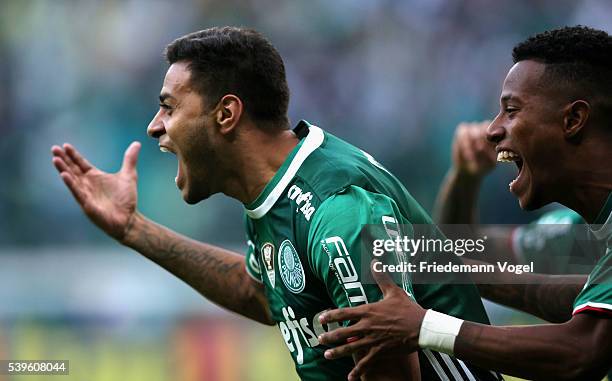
(507, 156)
(163, 149)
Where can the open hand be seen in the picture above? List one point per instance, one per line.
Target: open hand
(108, 199)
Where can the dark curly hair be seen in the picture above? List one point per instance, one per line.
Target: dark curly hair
(239, 61)
(578, 58)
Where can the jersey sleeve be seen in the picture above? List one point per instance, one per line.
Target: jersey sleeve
(252, 257)
(557, 243)
(339, 255)
(596, 296)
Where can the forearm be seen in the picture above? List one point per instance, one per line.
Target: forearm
(545, 352)
(457, 199)
(549, 301)
(549, 297)
(216, 273)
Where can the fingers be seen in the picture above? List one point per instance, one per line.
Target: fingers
(339, 335)
(68, 170)
(130, 158)
(60, 165)
(466, 148)
(77, 158)
(71, 184)
(342, 314)
(59, 152)
(384, 281)
(363, 365)
(471, 150)
(348, 349)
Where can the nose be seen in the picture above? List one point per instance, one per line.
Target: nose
(156, 127)
(495, 131)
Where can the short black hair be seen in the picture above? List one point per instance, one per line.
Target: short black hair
(577, 57)
(239, 61)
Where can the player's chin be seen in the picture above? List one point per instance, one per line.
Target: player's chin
(192, 196)
(532, 199)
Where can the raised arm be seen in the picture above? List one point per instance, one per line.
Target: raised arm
(110, 200)
(473, 157)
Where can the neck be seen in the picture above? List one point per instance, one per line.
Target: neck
(589, 185)
(588, 202)
(257, 157)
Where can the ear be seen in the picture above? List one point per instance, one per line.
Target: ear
(575, 117)
(228, 113)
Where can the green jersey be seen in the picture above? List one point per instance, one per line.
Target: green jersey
(596, 296)
(558, 242)
(304, 245)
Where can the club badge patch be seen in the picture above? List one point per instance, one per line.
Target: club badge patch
(290, 268)
(267, 253)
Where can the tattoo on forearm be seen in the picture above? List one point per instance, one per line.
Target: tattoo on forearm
(187, 258)
(214, 272)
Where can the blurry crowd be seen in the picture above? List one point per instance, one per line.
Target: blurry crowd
(392, 77)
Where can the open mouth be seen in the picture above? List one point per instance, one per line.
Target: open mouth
(179, 172)
(507, 156)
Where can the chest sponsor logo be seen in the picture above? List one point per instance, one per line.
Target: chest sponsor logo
(298, 330)
(290, 268)
(303, 201)
(267, 254)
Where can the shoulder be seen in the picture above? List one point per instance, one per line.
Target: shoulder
(351, 208)
(560, 216)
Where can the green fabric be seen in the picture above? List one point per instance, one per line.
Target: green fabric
(559, 242)
(597, 293)
(298, 230)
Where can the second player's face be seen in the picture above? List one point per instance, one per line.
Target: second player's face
(529, 132)
(183, 127)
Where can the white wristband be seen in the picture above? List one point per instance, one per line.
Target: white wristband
(439, 331)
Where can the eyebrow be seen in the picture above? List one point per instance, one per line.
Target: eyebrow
(509, 97)
(164, 96)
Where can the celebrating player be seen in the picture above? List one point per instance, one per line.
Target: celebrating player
(223, 113)
(556, 243)
(554, 124)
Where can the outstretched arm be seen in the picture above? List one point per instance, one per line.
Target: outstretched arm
(218, 274)
(549, 297)
(110, 199)
(580, 349)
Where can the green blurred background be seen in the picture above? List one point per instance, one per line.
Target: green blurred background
(393, 77)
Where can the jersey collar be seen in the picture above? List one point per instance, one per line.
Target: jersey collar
(602, 226)
(268, 197)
